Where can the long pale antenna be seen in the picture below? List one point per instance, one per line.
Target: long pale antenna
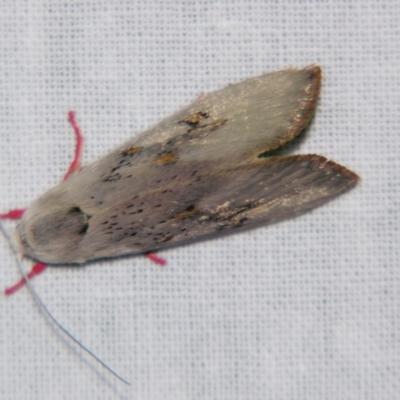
(46, 312)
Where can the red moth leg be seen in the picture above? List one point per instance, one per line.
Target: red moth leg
(13, 214)
(36, 270)
(158, 260)
(76, 162)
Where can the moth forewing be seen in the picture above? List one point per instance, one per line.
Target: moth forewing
(256, 115)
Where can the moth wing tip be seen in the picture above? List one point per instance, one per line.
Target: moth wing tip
(315, 71)
(333, 167)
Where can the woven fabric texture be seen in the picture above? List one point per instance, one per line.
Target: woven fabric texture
(305, 309)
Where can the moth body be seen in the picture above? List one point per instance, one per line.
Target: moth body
(202, 172)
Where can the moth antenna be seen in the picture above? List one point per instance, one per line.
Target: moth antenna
(49, 316)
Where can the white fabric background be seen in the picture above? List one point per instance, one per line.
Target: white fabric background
(305, 309)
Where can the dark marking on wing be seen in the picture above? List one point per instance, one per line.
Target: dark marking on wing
(189, 212)
(202, 131)
(194, 120)
(112, 177)
(198, 129)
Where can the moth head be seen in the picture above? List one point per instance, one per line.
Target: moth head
(51, 233)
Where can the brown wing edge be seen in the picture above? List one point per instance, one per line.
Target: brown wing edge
(307, 105)
(302, 115)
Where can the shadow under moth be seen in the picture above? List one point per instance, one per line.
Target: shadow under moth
(207, 170)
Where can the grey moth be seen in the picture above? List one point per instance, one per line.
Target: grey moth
(205, 171)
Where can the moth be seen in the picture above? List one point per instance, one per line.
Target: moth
(205, 171)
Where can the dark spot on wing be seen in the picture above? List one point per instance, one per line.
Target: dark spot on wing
(194, 120)
(198, 128)
(112, 177)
